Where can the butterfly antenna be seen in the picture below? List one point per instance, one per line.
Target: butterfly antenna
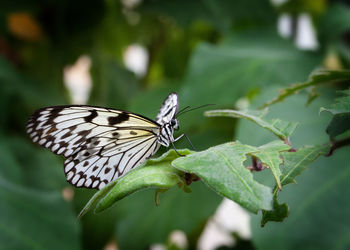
(183, 111)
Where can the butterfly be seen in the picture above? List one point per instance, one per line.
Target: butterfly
(102, 144)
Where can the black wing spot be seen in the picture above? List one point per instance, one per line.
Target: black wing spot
(63, 144)
(107, 170)
(84, 132)
(133, 132)
(66, 135)
(93, 114)
(50, 138)
(52, 115)
(122, 117)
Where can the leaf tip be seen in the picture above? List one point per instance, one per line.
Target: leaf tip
(82, 213)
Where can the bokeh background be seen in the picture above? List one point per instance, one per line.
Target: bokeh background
(129, 54)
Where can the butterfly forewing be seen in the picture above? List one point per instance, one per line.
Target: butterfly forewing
(100, 144)
(168, 109)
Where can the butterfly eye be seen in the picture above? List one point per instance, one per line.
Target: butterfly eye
(174, 123)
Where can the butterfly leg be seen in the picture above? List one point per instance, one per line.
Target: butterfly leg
(172, 143)
(188, 140)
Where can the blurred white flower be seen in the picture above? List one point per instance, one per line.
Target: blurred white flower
(305, 34)
(284, 25)
(179, 239)
(136, 59)
(229, 217)
(131, 3)
(77, 79)
(157, 246)
(306, 37)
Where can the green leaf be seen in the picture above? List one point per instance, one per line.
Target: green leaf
(160, 177)
(269, 155)
(33, 219)
(281, 129)
(167, 157)
(312, 96)
(296, 162)
(338, 125)
(316, 78)
(156, 173)
(341, 105)
(240, 64)
(221, 168)
(340, 122)
(310, 132)
(319, 209)
(279, 212)
(96, 198)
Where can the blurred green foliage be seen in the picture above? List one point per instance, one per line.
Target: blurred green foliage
(209, 52)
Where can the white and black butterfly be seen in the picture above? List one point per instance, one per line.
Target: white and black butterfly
(102, 144)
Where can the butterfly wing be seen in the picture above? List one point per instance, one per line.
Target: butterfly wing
(168, 109)
(99, 144)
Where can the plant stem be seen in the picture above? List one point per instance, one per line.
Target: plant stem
(256, 165)
(338, 144)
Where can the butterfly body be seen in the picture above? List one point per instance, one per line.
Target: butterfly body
(102, 144)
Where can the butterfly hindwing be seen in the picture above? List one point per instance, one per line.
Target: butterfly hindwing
(100, 144)
(96, 166)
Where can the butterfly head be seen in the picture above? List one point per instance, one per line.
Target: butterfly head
(174, 124)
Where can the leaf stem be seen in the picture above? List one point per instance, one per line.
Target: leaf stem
(316, 78)
(287, 141)
(256, 165)
(189, 178)
(338, 144)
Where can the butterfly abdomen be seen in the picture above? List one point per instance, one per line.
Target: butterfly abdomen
(165, 136)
